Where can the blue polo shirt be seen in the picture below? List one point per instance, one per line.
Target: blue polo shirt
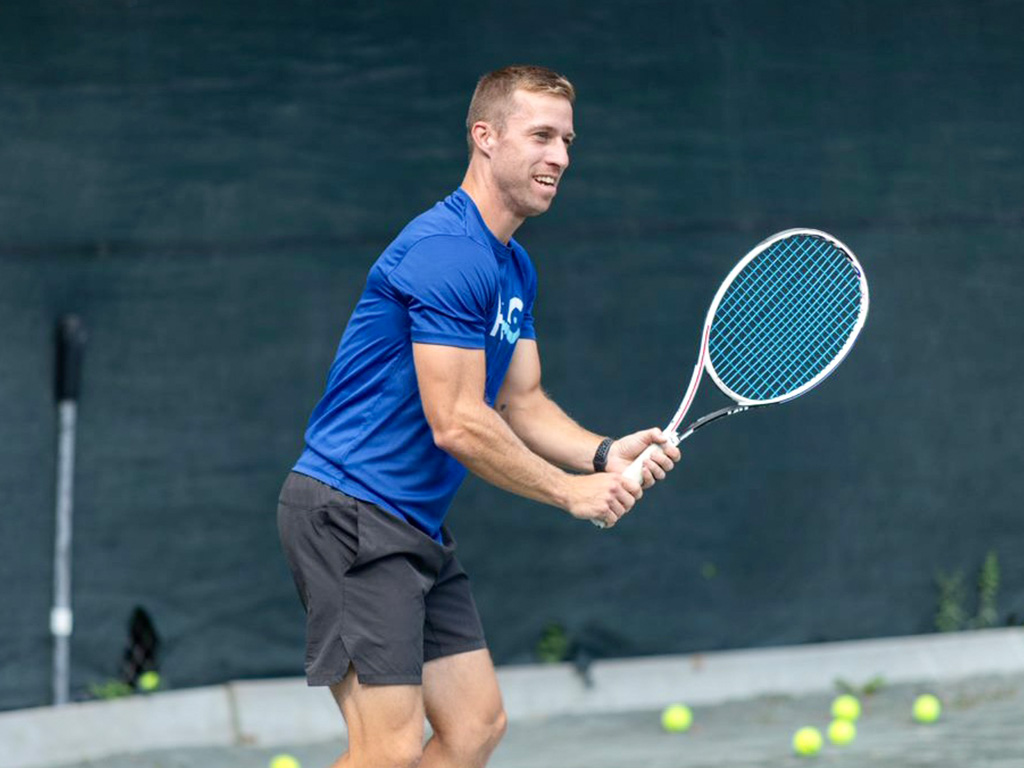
(444, 280)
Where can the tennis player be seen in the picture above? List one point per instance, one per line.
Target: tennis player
(438, 372)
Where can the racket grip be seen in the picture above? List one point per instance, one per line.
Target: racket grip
(635, 471)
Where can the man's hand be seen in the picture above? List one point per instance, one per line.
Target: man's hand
(657, 465)
(603, 497)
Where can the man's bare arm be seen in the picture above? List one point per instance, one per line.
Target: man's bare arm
(451, 383)
(548, 431)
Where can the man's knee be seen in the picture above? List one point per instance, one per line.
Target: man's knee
(402, 753)
(475, 735)
(499, 725)
(493, 727)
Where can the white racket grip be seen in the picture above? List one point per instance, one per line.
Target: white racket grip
(635, 471)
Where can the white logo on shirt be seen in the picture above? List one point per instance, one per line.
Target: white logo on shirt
(506, 324)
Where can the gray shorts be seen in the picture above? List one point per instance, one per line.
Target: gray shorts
(379, 593)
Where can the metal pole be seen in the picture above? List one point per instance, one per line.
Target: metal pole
(70, 346)
(61, 617)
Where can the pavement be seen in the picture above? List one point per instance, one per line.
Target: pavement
(746, 704)
(981, 726)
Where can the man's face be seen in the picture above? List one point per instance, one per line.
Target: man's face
(532, 152)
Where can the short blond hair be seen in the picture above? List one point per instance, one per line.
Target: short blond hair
(492, 99)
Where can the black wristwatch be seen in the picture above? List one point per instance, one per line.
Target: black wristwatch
(601, 455)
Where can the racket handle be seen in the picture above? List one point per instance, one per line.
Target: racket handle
(635, 471)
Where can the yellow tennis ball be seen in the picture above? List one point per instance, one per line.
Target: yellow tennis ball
(842, 732)
(927, 708)
(807, 741)
(676, 718)
(284, 761)
(149, 681)
(846, 707)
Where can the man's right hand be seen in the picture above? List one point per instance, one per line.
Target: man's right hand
(603, 496)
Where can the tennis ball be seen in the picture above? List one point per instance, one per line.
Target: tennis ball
(807, 741)
(842, 732)
(846, 707)
(927, 708)
(149, 681)
(284, 761)
(676, 718)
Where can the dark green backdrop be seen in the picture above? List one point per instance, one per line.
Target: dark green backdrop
(206, 185)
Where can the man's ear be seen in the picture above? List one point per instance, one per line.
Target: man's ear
(484, 136)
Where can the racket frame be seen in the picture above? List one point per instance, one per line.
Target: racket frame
(850, 340)
(704, 362)
(635, 470)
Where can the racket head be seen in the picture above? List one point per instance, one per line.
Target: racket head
(785, 317)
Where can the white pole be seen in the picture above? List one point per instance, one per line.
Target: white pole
(61, 617)
(70, 346)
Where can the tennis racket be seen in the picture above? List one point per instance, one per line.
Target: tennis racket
(782, 321)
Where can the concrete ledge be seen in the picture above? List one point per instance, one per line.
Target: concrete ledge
(96, 729)
(282, 711)
(711, 678)
(272, 712)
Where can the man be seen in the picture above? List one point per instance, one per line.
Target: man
(438, 371)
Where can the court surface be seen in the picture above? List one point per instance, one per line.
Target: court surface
(982, 725)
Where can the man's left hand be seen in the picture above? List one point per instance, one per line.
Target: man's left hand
(658, 464)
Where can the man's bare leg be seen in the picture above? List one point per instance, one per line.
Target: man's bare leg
(385, 723)
(463, 704)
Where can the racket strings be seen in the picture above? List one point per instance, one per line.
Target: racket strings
(807, 339)
(790, 343)
(785, 317)
(751, 306)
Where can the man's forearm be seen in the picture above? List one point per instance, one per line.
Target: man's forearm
(489, 448)
(550, 432)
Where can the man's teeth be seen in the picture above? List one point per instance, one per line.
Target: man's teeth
(548, 180)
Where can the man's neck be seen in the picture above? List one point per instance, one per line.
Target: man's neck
(496, 215)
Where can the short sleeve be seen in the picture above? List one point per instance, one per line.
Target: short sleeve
(449, 284)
